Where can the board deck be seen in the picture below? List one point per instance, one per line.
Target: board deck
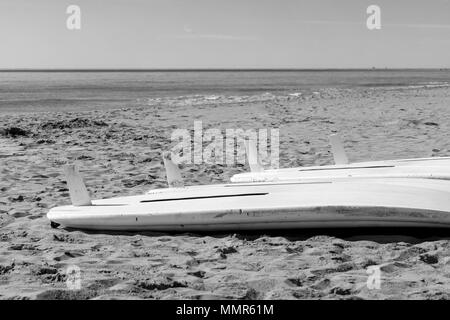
(428, 168)
(246, 206)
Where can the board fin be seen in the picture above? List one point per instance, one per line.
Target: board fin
(337, 148)
(254, 161)
(79, 194)
(173, 173)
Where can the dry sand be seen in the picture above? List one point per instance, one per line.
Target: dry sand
(120, 155)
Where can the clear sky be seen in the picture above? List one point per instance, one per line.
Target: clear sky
(224, 34)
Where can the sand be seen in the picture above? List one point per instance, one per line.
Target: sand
(120, 154)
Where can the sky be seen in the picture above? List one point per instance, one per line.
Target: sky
(224, 34)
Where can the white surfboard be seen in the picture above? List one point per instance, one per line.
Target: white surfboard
(427, 168)
(354, 203)
(378, 170)
(381, 194)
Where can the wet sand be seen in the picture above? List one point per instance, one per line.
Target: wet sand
(120, 154)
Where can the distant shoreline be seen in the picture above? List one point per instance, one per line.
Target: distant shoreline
(227, 70)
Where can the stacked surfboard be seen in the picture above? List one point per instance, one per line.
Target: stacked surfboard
(398, 193)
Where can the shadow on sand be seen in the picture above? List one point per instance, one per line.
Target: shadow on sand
(379, 235)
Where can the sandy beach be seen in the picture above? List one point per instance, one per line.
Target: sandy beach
(119, 152)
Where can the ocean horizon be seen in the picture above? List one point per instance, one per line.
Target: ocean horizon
(76, 90)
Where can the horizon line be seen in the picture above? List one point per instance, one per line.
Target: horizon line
(208, 69)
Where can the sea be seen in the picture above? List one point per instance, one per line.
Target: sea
(59, 91)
